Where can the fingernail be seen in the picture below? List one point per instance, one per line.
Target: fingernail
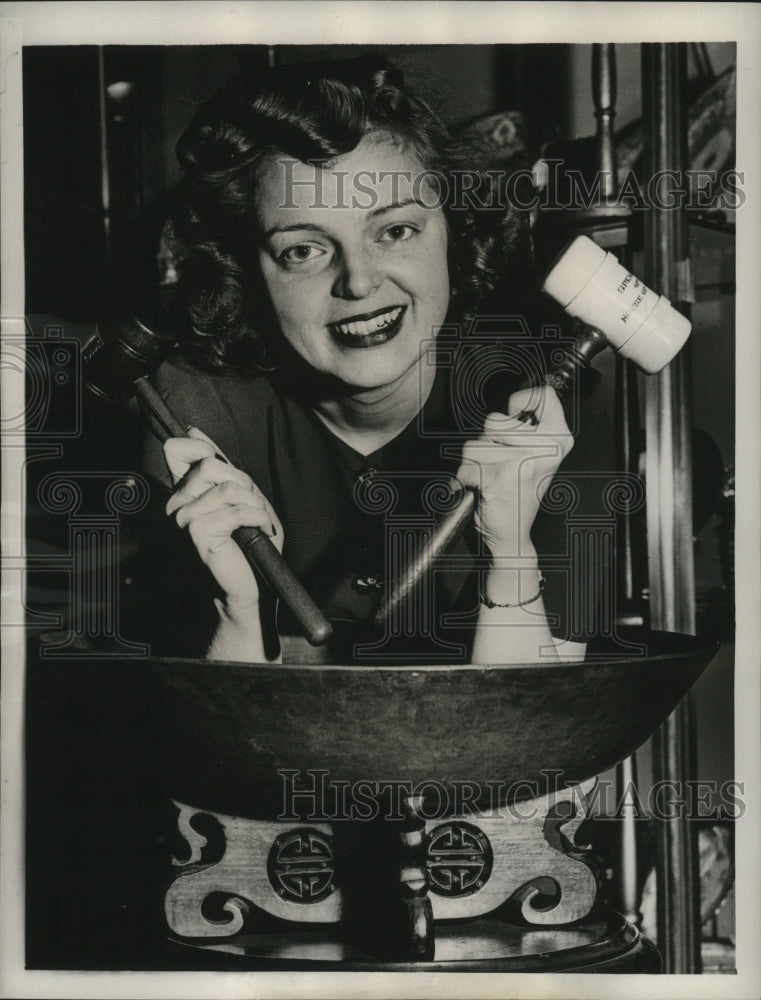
(528, 417)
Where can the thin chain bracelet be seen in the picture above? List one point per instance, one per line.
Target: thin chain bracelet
(489, 603)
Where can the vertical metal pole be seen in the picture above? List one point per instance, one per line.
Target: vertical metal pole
(669, 502)
(604, 99)
(105, 186)
(628, 585)
(627, 428)
(628, 882)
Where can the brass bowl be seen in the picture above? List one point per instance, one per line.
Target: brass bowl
(231, 730)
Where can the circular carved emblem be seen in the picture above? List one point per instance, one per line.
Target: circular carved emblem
(458, 859)
(300, 866)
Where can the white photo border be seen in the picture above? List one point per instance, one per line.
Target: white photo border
(391, 23)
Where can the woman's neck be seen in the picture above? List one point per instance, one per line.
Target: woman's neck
(369, 418)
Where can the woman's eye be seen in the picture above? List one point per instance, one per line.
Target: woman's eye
(398, 233)
(301, 254)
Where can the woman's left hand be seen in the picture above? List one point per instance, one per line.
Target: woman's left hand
(511, 466)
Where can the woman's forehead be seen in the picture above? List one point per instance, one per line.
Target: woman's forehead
(379, 172)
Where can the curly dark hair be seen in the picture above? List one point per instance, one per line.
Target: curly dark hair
(315, 113)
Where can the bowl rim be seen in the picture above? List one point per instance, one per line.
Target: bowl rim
(702, 647)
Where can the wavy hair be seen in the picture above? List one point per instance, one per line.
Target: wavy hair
(315, 113)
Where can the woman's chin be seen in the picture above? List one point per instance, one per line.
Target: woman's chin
(373, 373)
(369, 367)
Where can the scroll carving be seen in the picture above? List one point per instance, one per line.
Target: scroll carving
(527, 853)
(531, 844)
(236, 879)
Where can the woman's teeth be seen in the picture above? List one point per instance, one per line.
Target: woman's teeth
(366, 327)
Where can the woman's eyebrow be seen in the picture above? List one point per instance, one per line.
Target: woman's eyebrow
(296, 226)
(397, 204)
(313, 228)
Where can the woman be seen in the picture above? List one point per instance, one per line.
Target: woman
(334, 246)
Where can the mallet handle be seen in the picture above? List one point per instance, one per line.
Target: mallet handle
(155, 405)
(255, 545)
(451, 526)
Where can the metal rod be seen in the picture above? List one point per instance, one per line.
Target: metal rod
(604, 97)
(105, 186)
(628, 881)
(631, 539)
(669, 506)
(627, 432)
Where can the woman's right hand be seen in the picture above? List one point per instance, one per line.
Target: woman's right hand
(211, 500)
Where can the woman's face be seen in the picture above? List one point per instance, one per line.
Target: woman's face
(354, 256)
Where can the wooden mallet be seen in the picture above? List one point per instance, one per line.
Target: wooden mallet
(118, 366)
(616, 310)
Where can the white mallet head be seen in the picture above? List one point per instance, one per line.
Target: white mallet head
(591, 285)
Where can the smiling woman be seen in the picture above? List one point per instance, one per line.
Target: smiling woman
(343, 279)
(331, 277)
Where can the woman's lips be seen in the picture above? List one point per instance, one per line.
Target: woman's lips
(369, 329)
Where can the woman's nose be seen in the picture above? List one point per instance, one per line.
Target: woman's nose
(358, 275)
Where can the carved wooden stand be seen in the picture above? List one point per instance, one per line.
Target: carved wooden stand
(241, 879)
